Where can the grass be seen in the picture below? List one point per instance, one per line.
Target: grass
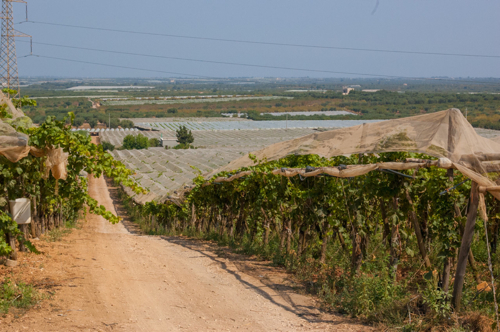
(58, 233)
(20, 296)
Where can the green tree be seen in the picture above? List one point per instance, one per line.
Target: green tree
(78, 122)
(106, 146)
(138, 142)
(126, 124)
(142, 142)
(184, 136)
(154, 143)
(93, 123)
(114, 123)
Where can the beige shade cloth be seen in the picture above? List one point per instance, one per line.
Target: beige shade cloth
(14, 112)
(56, 162)
(13, 145)
(445, 134)
(496, 139)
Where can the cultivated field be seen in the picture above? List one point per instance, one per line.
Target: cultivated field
(184, 100)
(328, 113)
(242, 125)
(244, 139)
(163, 171)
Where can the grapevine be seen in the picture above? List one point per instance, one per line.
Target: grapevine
(55, 202)
(298, 221)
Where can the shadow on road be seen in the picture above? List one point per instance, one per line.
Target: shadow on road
(267, 277)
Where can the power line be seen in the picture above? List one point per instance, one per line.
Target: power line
(116, 66)
(285, 68)
(242, 41)
(220, 62)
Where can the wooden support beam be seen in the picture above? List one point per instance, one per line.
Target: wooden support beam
(465, 247)
(482, 189)
(418, 232)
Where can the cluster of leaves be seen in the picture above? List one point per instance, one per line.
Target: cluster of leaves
(27, 177)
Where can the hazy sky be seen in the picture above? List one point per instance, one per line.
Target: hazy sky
(451, 26)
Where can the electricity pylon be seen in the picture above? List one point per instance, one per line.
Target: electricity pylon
(8, 56)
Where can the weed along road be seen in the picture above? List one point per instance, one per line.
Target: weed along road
(112, 278)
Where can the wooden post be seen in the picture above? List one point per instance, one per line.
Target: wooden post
(24, 230)
(472, 261)
(11, 240)
(193, 215)
(357, 254)
(387, 229)
(445, 279)
(33, 217)
(463, 254)
(301, 242)
(282, 235)
(289, 236)
(267, 227)
(324, 244)
(418, 232)
(43, 223)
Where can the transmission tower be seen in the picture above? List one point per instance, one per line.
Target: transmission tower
(8, 57)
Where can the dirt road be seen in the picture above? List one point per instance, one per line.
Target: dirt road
(111, 278)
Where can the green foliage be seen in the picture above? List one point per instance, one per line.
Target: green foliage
(106, 146)
(26, 178)
(137, 142)
(78, 122)
(184, 136)
(23, 101)
(154, 143)
(372, 296)
(20, 295)
(437, 301)
(183, 146)
(4, 113)
(126, 124)
(57, 234)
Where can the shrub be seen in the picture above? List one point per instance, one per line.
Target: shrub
(184, 136)
(107, 146)
(126, 124)
(183, 146)
(138, 142)
(154, 143)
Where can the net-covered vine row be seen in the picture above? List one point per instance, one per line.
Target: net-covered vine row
(372, 243)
